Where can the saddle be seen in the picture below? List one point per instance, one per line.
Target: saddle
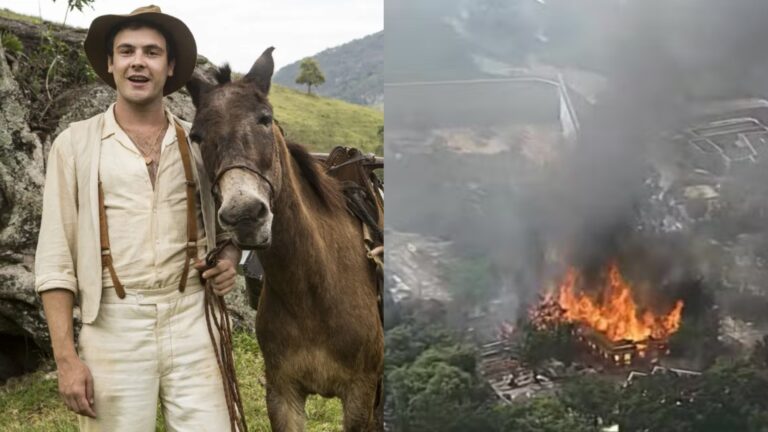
(363, 190)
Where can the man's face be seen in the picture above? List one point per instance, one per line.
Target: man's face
(139, 64)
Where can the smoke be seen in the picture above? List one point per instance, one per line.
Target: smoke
(691, 49)
(663, 60)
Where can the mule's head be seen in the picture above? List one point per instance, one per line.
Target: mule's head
(237, 137)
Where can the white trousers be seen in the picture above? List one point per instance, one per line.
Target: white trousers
(152, 346)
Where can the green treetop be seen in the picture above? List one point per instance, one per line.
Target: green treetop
(310, 74)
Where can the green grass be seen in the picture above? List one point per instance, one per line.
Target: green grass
(322, 123)
(9, 14)
(32, 403)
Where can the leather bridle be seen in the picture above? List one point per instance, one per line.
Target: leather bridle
(215, 183)
(247, 167)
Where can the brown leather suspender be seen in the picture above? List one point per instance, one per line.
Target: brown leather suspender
(191, 249)
(106, 253)
(191, 216)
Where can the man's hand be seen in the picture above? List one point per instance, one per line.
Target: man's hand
(75, 380)
(222, 275)
(76, 386)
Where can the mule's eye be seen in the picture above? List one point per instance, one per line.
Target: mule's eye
(195, 136)
(265, 119)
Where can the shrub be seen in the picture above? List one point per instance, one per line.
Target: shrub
(11, 43)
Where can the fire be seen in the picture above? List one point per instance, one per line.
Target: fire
(614, 312)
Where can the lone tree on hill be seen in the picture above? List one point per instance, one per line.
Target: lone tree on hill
(310, 74)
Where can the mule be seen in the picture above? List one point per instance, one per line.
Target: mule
(317, 321)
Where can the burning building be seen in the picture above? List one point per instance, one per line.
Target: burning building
(607, 319)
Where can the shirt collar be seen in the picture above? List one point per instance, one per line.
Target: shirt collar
(110, 124)
(170, 133)
(111, 127)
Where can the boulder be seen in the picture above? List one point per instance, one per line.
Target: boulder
(21, 184)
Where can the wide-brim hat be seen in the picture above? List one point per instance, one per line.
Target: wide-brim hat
(184, 46)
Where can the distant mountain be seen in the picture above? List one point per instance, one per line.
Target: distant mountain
(353, 71)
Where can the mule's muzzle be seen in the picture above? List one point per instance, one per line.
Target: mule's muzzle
(245, 210)
(251, 213)
(250, 222)
(253, 234)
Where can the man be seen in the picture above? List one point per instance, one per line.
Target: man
(117, 192)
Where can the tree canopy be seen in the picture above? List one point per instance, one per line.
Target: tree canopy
(310, 74)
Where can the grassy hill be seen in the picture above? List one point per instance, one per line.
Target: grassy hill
(33, 404)
(9, 14)
(353, 71)
(323, 123)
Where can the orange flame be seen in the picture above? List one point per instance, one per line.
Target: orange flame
(614, 312)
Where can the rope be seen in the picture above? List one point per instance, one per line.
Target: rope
(217, 317)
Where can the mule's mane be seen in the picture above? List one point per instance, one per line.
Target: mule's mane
(327, 188)
(224, 74)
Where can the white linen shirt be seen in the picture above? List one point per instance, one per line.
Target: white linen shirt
(147, 229)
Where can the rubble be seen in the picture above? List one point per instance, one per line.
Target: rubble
(415, 264)
(505, 374)
(500, 366)
(741, 333)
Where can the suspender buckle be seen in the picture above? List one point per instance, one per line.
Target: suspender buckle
(191, 249)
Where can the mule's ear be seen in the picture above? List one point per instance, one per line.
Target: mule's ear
(197, 87)
(261, 71)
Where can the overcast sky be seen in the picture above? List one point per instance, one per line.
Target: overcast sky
(237, 31)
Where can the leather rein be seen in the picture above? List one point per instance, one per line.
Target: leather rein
(217, 315)
(218, 322)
